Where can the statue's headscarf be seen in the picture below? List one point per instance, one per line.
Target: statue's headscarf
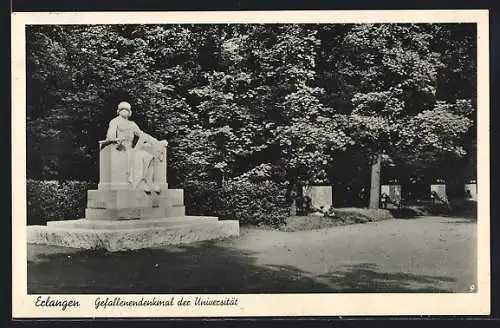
(124, 106)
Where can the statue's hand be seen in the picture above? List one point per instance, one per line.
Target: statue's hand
(164, 143)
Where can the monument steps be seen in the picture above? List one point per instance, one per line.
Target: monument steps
(129, 235)
(130, 224)
(134, 213)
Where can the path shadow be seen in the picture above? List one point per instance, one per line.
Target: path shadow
(466, 215)
(206, 268)
(197, 268)
(366, 278)
(461, 221)
(405, 213)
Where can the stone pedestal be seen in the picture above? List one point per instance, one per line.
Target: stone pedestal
(394, 193)
(470, 190)
(321, 196)
(440, 191)
(120, 215)
(115, 163)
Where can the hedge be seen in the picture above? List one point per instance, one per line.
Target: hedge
(262, 203)
(250, 203)
(53, 200)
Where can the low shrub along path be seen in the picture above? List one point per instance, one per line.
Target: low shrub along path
(427, 254)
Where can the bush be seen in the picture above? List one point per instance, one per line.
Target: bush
(463, 207)
(72, 199)
(455, 207)
(361, 213)
(250, 203)
(262, 203)
(41, 200)
(342, 216)
(53, 200)
(201, 198)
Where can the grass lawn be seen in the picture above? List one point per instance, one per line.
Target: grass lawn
(343, 216)
(353, 215)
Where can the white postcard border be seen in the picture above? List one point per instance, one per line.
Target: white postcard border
(331, 304)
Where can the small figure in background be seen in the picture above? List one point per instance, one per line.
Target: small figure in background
(401, 202)
(308, 205)
(468, 194)
(383, 200)
(433, 197)
(362, 196)
(397, 198)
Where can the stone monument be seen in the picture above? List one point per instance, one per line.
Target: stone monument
(438, 191)
(132, 207)
(393, 192)
(321, 196)
(470, 190)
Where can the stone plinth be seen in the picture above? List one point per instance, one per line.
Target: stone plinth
(112, 168)
(440, 191)
(121, 199)
(133, 213)
(115, 162)
(129, 235)
(394, 193)
(470, 191)
(321, 196)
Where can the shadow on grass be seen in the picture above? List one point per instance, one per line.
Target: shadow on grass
(456, 208)
(204, 268)
(196, 268)
(462, 221)
(470, 216)
(405, 213)
(365, 278)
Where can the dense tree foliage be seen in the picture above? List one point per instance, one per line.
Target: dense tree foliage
(298, 104)
(394, 73)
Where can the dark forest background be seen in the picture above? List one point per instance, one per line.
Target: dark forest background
(292, 104)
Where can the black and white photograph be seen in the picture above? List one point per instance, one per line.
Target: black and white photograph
(191, 164)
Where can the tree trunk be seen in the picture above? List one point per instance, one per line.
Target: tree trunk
(291, 195)
(375, 182)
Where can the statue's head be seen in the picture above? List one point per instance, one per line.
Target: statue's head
(124, 109)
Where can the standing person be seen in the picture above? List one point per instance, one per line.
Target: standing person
(383, 200)
(361, 196)
(468, 194)
(433, 197)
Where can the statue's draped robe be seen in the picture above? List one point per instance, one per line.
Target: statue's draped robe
(139, 157)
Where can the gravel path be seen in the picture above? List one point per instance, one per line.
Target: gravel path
(428, 254)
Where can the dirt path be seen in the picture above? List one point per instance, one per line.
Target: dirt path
(429, 254)
(426, 253)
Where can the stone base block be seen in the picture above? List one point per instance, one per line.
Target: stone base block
(133, 213)
(129, 235)
(121, 199)
(131, 224)
(114, 186)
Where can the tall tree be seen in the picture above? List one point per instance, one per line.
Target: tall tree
(77, 75)
(283, 102)
(394, 106)
(264, 107)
